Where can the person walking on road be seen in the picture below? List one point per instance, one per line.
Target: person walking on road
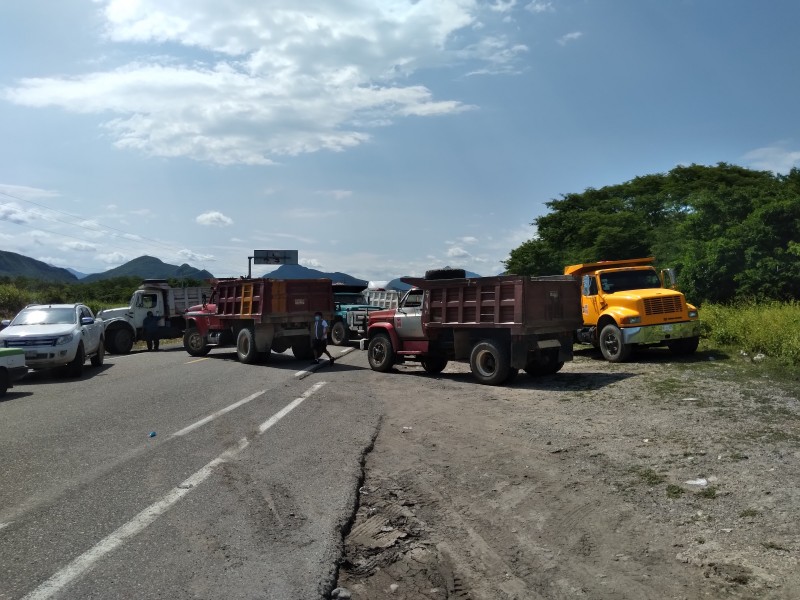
(319, 338)
(150, 328)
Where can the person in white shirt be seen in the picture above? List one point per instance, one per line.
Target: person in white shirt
(319, 338)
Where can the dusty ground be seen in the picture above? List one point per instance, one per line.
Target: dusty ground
(659, 478)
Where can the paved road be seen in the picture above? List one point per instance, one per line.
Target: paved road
(242, 492)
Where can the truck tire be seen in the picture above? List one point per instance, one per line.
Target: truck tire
(340, 335)
(684, 346)
(445, 274)
(434, 364)
(612, 344)
(75, 367)
(194, 343)
(246, 346)
(280, 345)
(301, 348)
(100, 355)
(4, 382)
(546, 364)
(380, 353)
(489, 362)
(122, 341)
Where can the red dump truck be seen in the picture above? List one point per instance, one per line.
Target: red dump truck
(258, 316)
(498, 324)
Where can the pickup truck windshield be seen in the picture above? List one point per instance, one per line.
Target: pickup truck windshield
(46, 316)
(621, 281)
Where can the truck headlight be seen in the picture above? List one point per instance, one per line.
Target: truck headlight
(631, 320)
(692, 314)
(65, 339)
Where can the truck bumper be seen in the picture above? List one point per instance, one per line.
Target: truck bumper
(661, 334)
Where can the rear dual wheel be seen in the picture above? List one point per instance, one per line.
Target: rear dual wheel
(490, 362)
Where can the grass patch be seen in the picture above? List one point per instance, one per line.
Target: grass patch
(709, 493)
(771, 329)
(649, 476)
(675, 491)
(749, 512)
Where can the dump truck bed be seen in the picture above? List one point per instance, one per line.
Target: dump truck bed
(273, 300)
(525, 305)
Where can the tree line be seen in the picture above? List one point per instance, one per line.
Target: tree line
(17, 292)
(731, 233)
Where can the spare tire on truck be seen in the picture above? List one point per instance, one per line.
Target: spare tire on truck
(446, 273)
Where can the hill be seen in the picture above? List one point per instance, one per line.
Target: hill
(16, 265)
(301, 272)
(149, 267)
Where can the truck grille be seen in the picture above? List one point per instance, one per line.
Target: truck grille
(662, 305)
(28, 343)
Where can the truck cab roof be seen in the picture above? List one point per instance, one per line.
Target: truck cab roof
(584, 268)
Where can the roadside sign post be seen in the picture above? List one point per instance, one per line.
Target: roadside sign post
(271, 257)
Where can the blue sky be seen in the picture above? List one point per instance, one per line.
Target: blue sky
(376, 137)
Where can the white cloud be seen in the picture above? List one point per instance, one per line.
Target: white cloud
(457, 252)
(311, 263)
(80, 246)
(502, 6)
(336, 194)
(214, 218)
(112, 258)
(540, 7)
(14, 214)
(570, 37)
(468, 239)
(267, 80)
(194, 256)
(23, 192)
(777, 158)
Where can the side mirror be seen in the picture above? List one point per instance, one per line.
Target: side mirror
(87, 320)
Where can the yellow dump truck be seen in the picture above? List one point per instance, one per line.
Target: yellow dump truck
(627, 303)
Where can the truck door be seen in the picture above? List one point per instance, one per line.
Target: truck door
(144, 301)
(90, 333)
(408, 317)
(589, 300)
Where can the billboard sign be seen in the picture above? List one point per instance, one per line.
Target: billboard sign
(275, 257)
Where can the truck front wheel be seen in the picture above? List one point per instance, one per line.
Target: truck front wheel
(490, 363)
(121, 341)
(380, 353)
(339, 334)
(612, 344)
(194, 343)
(246, 346)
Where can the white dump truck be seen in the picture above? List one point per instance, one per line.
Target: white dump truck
(124, 325)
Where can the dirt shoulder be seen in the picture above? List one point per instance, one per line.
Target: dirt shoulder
(650, 479)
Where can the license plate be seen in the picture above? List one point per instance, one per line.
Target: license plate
(666, 327)
(30, 355)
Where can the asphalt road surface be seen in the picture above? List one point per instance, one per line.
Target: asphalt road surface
(161, 475)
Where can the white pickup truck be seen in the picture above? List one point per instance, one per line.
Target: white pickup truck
(169, 304)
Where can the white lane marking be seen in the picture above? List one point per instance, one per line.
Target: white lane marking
(191, 362)
(219, 413)
(86, 561)
(311, 368)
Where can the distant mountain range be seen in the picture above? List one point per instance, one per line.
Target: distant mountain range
(149, 267)
(301, 272)
(146, 267)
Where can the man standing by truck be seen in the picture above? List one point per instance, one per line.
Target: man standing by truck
(319, 338)
(150, 330)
